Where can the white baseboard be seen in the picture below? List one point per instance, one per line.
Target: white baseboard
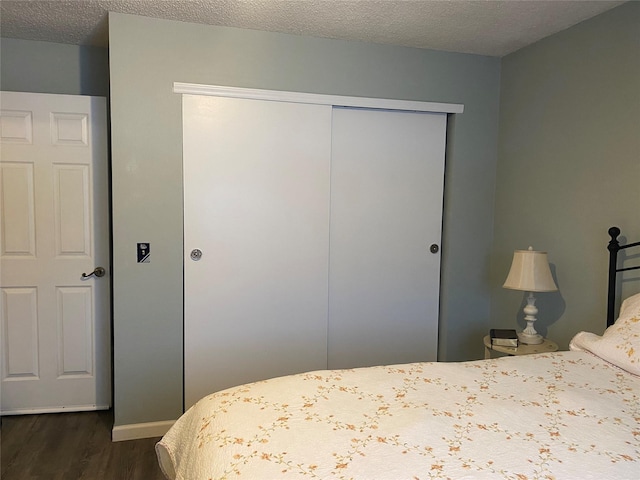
(135, 431)
(38, 411)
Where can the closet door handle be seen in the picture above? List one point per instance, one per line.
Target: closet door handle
(434, 248)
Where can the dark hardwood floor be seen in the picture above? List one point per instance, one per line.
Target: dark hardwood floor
(72, 446)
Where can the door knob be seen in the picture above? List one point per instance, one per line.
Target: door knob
(98, 272)
(434, 248)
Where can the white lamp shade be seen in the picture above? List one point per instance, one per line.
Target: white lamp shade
(530, 272)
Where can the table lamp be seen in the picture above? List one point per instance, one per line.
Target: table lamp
(530, 272)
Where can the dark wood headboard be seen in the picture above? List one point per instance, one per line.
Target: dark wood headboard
(614, 247)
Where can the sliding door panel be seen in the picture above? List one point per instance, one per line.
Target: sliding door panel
(256, 205)
(387, 173)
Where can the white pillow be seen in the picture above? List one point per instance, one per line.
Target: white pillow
(620, 343)
(630, 307)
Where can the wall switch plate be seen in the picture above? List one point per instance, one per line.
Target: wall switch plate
(144, 252)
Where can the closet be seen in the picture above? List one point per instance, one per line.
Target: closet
(312, 227)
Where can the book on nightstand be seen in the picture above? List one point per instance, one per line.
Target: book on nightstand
(503, 337)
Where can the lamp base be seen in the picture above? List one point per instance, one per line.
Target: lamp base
(528, 339)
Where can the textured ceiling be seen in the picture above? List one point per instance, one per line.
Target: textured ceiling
(482, 27)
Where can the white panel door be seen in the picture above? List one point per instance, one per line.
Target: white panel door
(387, 178)
(54, 324)
(256, 204)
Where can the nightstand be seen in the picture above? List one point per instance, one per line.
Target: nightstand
(523, 349)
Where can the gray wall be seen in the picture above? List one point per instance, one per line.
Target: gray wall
(148, 55)
(42, 67)
(569, 167)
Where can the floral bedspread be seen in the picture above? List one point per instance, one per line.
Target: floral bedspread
(564, 415)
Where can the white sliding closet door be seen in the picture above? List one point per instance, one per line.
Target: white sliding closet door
(256, 204)
(387, 176)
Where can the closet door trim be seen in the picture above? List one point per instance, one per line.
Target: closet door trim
(317, 99)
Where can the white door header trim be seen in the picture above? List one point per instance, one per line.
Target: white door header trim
(314, 98)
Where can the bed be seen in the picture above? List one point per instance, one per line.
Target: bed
(562, 415)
